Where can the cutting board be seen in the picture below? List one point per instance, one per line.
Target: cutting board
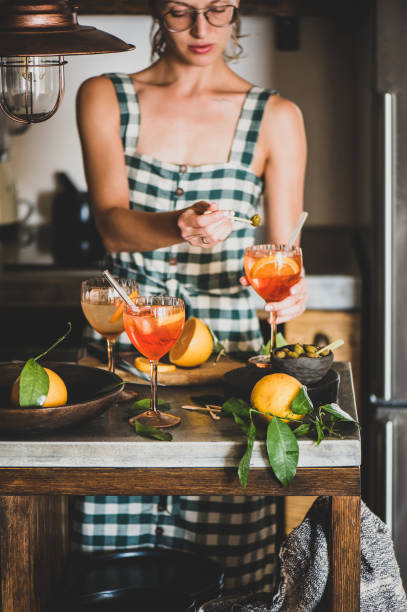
(208, 372)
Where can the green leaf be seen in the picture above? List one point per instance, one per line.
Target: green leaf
(302, 430)
(265, 350)
(151, 432)
(302, 404)
(34, 385)
(320, 431)
(244, 425)
(280, 340)
(141, 405)
(244, 465)
(55, 343)
(236, 406)
(282, 450)
(337, 412)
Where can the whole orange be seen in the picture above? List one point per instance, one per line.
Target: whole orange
(57, 393)
(274, 393)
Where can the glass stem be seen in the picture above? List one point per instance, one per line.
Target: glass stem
(153, 375)
(110, 355)
(273, 329)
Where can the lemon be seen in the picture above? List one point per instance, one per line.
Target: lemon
(194, 346)
(143, 365)
(274, 265)
(274, 393)
(57, 393)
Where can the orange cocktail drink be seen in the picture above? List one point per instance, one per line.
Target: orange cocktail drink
(153, 325)
(272, 270)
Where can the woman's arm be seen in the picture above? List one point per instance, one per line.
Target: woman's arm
(283, 136)
(123, 229)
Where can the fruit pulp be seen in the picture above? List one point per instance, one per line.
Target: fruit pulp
(153, 330)
(272, 276)
(99, 315)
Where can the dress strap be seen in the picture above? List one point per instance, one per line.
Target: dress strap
(247, 130)
(129, 109)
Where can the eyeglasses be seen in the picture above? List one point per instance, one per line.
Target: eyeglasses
(179, 19)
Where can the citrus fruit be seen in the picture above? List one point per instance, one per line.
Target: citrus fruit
(274, 265)
(119, 310)
(194, 346)
(143, 364)
(57, 393)
(274, 393)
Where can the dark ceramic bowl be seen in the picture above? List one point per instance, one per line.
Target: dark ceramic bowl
(86, 398)
(307, 370)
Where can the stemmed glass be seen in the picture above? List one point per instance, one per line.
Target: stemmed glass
(271, 270)
(103, 309)
(153, 325)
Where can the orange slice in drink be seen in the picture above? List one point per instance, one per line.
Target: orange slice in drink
(274, 265)
(119, 310)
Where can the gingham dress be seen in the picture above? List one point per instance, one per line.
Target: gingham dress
(237, 531)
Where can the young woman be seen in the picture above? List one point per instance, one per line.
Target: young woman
(171, 153)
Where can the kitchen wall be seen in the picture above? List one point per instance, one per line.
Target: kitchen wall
(322, 77)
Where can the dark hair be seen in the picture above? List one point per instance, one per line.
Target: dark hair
(159, 43)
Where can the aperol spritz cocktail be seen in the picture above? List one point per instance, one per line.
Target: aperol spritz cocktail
(272, 270)
(103, 308)
(153, 326)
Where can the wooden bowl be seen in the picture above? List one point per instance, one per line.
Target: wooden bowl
(85, 401)
(308, 370)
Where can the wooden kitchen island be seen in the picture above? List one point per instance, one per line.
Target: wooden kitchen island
(104, 456)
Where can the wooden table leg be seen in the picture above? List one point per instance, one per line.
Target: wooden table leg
(345, 554)
(33, 549)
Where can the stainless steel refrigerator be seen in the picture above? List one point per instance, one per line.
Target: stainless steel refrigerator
(385, 351)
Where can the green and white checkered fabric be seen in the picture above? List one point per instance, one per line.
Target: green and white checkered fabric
(237, 531)
(207, 280)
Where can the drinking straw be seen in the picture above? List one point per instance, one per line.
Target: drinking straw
(290, 242)
(119, 289)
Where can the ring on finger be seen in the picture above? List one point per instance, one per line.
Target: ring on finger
(204, 240)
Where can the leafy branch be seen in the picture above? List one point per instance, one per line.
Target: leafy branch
(281, 440)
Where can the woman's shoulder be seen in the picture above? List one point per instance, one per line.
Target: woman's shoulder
(281, 112)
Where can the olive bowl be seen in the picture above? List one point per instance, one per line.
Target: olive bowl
(91, 391)
(308, 370)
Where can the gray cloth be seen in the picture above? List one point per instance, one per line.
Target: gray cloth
(304, 570)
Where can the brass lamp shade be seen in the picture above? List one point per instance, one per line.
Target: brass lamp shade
(39, 28)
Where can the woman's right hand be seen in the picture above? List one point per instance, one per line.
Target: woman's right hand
(204, 225)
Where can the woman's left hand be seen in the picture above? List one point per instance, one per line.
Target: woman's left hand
(292, 306)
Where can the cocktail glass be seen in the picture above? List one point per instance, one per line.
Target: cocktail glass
(153, 325)
(103, 308)
(272, 269)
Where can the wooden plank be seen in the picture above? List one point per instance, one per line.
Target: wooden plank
(345, 554)
(33, 548)
(174, 481)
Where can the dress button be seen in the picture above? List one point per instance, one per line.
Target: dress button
(161, 507)
(159, 531)
(172, 261)
(182, 168)
(179, 191)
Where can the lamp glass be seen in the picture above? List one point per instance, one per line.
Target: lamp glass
(31, 87)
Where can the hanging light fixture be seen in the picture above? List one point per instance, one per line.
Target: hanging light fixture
(34, 38)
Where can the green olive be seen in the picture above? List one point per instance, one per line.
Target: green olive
(256, 220)
(292, 355)
(280, 354)
(310, 348)
(298, 349)
(314, 355)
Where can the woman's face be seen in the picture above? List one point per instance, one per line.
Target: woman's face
(201, 43)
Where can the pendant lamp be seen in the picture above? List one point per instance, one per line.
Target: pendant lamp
(35, 36)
